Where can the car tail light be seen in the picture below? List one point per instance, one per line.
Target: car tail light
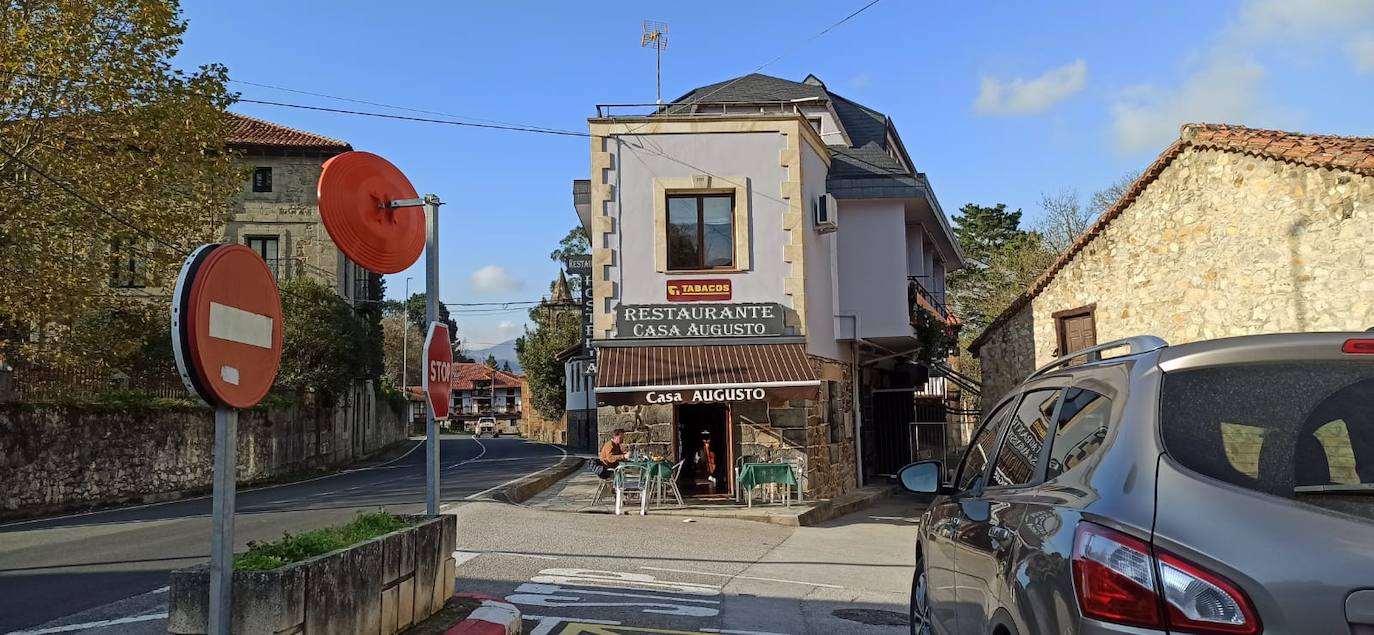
(1198, 601)
(1358, 346)
(1115, 576)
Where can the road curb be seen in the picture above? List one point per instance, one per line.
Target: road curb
(526, 488)
(494, 617)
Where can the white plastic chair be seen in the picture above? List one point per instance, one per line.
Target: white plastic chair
(671, 484)
(798, 463)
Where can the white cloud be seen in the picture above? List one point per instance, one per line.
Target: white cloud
(1279, 20)
(494, 279)
(1029, 96)
(861, 81)
(507, 329)
(1362, 49)
(1146, 118)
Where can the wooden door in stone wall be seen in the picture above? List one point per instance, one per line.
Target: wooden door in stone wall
(1076, 329)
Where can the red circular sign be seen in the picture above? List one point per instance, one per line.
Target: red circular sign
(233, 326)
(354, 191)
(438, 378)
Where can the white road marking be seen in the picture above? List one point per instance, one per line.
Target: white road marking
(568, 601)
(553, 589)
(733, 632)
(547, 624)
(743, 577)
(536, 556)
(518, 478)
(460, 557)
(161, 589)
(236, 325)
(615, 579)
(483, 451)
(67, 628)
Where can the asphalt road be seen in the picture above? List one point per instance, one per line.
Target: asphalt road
(58, 567)
(613, 575)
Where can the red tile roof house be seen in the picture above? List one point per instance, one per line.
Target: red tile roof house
(1231, 231)
(481, 391)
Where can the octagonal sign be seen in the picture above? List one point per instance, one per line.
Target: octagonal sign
(438, 378)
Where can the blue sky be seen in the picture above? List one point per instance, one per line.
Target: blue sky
(996, 101)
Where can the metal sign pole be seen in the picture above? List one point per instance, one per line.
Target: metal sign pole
(222, 521)
(431, 315)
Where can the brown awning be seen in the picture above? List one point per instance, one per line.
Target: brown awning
(703, 374)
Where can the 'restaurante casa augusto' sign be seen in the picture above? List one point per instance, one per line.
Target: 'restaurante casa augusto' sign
(658, 321)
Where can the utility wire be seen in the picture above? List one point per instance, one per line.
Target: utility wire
(382, 115)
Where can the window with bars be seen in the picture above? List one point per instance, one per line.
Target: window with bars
(128, 267)
(262, 179)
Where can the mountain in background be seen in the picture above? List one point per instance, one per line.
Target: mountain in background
(504, 352)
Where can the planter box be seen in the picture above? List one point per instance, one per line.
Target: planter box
(382, 586)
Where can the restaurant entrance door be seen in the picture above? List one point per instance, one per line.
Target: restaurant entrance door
(704, 440)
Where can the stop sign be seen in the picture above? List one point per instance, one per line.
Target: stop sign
(227, 325)
(438, 370)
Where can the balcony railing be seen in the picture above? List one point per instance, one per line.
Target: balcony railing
(919, 297)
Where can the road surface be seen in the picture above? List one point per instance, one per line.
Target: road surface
(54, 568)
(622, 575)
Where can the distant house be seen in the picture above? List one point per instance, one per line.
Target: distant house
(481, 391)
(1231, 231)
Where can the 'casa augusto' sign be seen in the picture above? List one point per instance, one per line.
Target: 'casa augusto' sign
(662, 321)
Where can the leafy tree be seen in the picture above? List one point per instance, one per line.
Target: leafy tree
(393, 328)
(505, 366)
(490, 362)
(555, 330)
(320, 336)
(88, 96)
(1003, 260)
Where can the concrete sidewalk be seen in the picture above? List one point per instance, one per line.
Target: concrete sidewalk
(575, 493)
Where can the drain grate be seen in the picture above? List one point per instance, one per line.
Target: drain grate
(871, 617)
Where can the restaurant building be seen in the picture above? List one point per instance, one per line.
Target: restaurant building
(764, 255)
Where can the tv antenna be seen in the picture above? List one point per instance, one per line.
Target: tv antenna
(656, 37)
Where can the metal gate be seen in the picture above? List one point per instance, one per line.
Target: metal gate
(892, 413)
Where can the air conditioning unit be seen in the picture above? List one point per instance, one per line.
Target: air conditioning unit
(826, 214)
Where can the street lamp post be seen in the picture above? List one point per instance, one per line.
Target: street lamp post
(405, 331)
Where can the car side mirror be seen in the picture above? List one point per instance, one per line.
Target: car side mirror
(922, 477)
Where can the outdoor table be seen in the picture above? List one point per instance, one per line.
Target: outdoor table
(650, 471)
(755, 474)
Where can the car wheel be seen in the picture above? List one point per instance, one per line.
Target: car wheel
(919, 608)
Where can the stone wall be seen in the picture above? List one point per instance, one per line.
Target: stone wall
(1221, 244)
(57, 457)
(534, 426)
(1008, 357)
(797, 428)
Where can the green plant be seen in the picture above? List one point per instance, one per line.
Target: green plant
(322, 340)
(296, 547)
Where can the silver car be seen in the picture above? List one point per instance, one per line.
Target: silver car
(1224, 486)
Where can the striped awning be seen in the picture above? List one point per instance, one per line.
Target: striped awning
(703, 374)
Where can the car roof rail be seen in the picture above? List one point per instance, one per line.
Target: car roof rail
(1138, 344)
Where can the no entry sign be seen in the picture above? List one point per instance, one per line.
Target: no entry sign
(227, 325)
(438, 370)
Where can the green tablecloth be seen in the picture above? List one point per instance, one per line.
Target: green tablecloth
(760, 473)
(652, 469)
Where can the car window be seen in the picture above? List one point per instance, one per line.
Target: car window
(1026, 432)
(1284, 429)
(976, 458)
(1079, 430)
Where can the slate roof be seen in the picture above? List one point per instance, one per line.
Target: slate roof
(1352, 154)
(245, 131)
(864, 170)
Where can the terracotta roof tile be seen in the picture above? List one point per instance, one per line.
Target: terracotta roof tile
(248, 131)
(1352, 154)
(465, 374)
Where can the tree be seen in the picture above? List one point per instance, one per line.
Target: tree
(575, 243)
(505, 366)
(88, 96)
(555, 330)
(393, 327)
(490, 362)
(1066, 219)
(320, 340)
(1003, 260)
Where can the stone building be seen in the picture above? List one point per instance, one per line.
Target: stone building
(761, 252)
(1231, 231)
(482, 391)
